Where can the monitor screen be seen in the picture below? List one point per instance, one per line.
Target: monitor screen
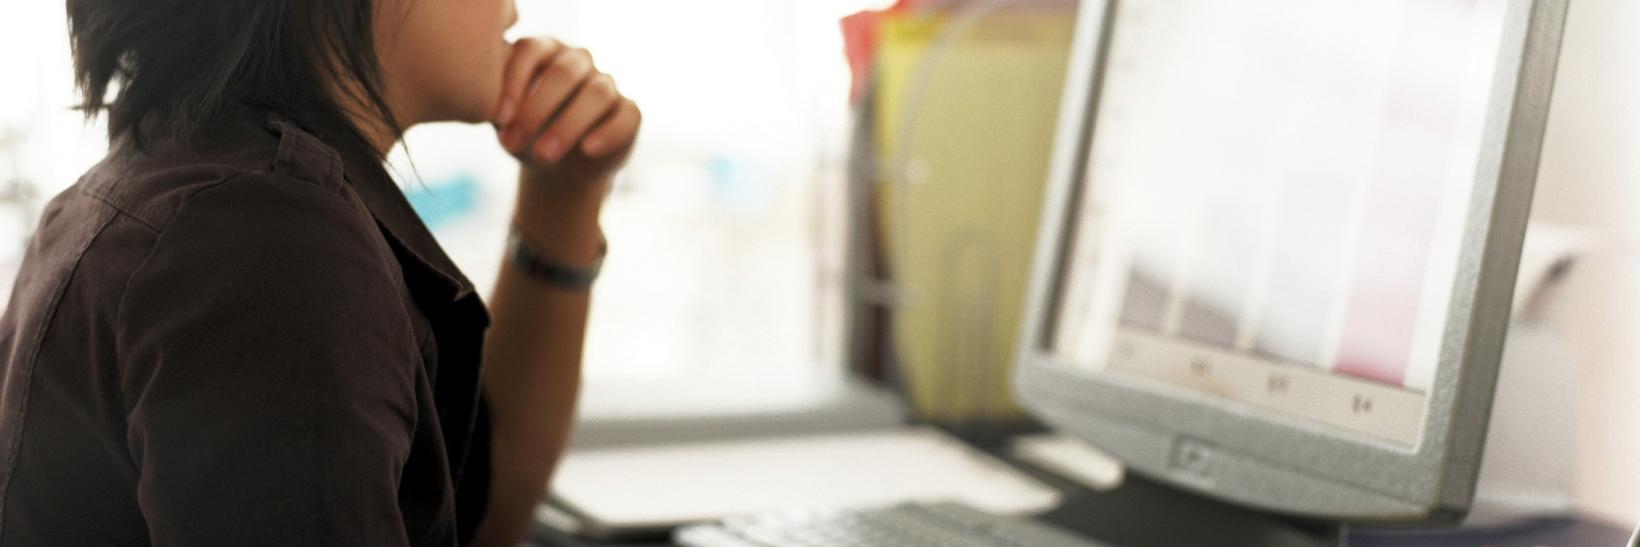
(1275, 200)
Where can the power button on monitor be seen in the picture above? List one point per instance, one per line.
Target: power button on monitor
(1192, 458)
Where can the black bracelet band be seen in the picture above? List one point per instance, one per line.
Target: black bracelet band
(552, 272)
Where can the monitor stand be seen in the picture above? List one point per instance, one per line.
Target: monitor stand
(1144, 513)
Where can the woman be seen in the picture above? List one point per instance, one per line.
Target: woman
(235, 331)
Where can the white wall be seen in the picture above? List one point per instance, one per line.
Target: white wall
(1590, 178)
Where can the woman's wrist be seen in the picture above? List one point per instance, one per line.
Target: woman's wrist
(571, 243)
(543, 268)
(561, 219)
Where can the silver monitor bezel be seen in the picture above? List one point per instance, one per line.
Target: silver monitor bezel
(1288, 464)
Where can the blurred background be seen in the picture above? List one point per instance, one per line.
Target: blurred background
(736, 227)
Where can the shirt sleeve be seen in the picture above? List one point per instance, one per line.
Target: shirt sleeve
(268, 368)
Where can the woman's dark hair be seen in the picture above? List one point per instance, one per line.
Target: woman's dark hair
(178, 66)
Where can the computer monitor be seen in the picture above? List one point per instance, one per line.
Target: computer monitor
(1280, 240)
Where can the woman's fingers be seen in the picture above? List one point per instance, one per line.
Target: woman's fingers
(555, 101)
(527, 58)
(555, 84)
(615, 132)
(593, 102)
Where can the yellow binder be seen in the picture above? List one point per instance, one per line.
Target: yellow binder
(966, 112)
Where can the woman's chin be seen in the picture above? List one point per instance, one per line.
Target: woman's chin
(475, 113)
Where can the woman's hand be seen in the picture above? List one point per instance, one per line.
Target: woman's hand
(564, 120)
(571, 130)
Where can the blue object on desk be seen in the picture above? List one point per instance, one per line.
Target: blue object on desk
(445, 201)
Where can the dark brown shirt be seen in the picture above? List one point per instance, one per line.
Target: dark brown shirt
(257, 343)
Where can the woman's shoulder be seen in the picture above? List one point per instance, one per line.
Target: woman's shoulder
(257, 229)
(156, 181)
(257, 208)
(269, 196)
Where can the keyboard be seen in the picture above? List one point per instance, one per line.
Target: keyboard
(911, 525)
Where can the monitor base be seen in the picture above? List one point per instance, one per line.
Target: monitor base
(1145, 513)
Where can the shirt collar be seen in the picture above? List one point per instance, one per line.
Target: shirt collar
(386, 202)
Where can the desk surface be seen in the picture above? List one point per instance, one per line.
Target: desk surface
(1081, 503)
(1558, 532)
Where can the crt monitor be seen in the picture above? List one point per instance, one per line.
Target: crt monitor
(1279, 244)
